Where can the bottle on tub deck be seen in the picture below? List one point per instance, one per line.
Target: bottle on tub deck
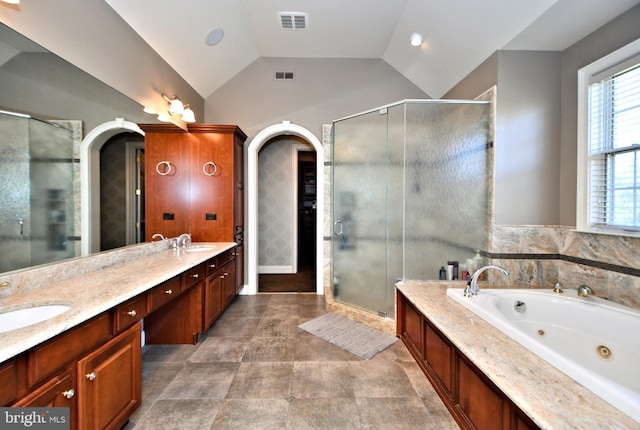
(476, 263)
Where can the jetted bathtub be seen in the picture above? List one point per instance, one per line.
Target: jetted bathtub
(595, 342)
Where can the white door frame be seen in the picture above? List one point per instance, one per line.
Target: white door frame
(285, 128)
(90, 180)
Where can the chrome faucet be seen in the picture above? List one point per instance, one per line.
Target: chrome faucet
(184, 240)
(584, 291)
(473, 288)
(158, 235)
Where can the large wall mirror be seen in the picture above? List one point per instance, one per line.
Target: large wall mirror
(48, 107)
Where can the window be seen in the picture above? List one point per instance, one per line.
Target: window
(609, 144)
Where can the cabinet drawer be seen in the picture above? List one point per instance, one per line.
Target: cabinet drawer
(130, 312)
(45, 359)
(226, 256)
(212, 266)
(164, 293)
(193, 276)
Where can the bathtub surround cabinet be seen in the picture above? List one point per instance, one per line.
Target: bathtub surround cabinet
(486, 379)
(94, 366)
(473, 400)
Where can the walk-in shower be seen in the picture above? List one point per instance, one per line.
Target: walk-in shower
(411, 191)
(37, 204)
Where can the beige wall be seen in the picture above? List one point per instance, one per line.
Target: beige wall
(323, 90)
(537, 122)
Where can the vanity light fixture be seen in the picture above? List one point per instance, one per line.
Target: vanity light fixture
(415, 39)
(12, 1)
(176, 107)
(164, 117)
(188, 115)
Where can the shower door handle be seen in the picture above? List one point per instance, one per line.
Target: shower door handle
(337, 224)
(21, 223)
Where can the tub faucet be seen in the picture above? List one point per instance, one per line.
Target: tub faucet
(184, 240)
(158, 235)
(473, 288)
(584, 291)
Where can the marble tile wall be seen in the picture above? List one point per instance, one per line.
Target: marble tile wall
(540, 256)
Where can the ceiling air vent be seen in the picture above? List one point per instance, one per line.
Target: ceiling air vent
(284, 76)
(293, 20)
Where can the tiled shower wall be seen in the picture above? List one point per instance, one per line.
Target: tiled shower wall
(540, 256)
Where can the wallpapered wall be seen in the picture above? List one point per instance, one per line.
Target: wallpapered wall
(276, 181)
(113, 216)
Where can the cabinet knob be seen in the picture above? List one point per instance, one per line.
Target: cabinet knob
(195, 276)
(221, 276)
(212, 266)
(91, 376)
(226, 274)
(132, 313)
(69, 393)
(168, 292)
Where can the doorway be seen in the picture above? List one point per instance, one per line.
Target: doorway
(121, 191)
(288, 129)
(286, 215)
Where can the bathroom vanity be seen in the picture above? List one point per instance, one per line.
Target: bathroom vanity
(486, 379)
(89, 357)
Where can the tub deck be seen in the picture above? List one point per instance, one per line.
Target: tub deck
(549, 397)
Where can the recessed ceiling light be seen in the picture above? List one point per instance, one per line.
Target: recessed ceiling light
(214, 36)
(415, 39)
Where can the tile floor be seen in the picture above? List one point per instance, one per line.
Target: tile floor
(255, 369)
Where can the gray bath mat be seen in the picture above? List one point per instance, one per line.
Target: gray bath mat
(356, 338)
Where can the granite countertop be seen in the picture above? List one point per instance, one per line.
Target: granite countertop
(95, 292)
(549, 397)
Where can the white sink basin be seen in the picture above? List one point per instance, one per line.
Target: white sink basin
(19, 318)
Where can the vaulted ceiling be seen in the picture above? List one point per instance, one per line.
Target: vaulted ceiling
(458, 35)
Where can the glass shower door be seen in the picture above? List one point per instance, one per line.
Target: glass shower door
(360, 170)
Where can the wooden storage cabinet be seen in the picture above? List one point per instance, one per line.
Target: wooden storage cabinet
(202, 194)
(110, 381)
(471, 398)
(166, 179)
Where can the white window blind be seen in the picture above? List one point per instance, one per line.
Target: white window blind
(614, 148)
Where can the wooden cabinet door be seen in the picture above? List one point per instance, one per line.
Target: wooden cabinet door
(58, 392)
(166, 192)
(439, 356)
(212, 187)
(213, 299)
(413, 329)
(238, 184)
(478, 403)
(229, 282)
(109, 382)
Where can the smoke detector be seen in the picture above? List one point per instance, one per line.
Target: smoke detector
(293, 20)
